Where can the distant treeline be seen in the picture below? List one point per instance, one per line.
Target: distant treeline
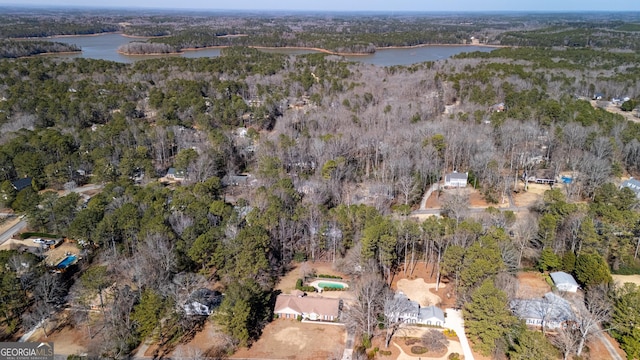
(12, 27)
(573, 37)
(16, 48)
(142, 48)
(148, 30)
(339, 43)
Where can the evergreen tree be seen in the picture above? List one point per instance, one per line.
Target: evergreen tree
(548, 260)
(487, 317)
(625, 319)
(148, 312)
(591, 270)
(531, 345)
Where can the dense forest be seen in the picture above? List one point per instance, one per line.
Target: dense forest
(341, 152)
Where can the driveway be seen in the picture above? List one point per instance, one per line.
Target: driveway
(456, 323)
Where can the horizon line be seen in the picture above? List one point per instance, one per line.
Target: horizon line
(120, 7)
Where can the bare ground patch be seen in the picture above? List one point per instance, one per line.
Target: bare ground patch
(291, 339)
(621, 279)
(425, 273)
(531, 285)
(67, 340)
(417, 290)
(476, 199)
(529, 197)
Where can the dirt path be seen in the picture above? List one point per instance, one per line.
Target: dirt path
(628, 115)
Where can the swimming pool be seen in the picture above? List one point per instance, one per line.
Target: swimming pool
(70, 259)
(321, 284)
(331, 285)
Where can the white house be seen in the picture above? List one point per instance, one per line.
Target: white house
(632, 184)
(202, 302)
(564, 281)
(456, 179)
(550, 311)
(415, 314)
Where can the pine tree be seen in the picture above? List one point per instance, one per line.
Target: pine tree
(487, 317)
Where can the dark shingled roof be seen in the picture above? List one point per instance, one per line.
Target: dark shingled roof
(20, 184)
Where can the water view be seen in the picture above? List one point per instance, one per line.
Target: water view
(105, 47)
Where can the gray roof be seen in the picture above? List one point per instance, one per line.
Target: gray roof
(561, 277)
(632, 184)
(457, 175)
(419, 311)
(431, 312)
(210, 298)
(549, 308)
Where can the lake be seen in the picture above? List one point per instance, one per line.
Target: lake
(105, 47)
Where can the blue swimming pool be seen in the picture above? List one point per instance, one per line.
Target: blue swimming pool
(66, 262)
(566, 179)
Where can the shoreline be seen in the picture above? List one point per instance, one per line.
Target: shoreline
(315, 49)
(321, 50)
(325, 51)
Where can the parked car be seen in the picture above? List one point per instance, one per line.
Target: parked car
(38, 241)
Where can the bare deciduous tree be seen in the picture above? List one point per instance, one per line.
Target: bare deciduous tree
(566, 339)
(434, 340)
(596, 310)
(456, 205)
(361, 316)
(524, 230)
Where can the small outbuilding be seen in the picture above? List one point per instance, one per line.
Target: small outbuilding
(564, 281)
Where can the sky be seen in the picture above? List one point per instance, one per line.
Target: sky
(351, 5)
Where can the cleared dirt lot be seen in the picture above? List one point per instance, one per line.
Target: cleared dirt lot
(476, 199)
(67, 339)
(291, 339)
(531, 285)
(621, 279)
(420, 286)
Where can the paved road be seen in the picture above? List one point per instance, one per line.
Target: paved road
(456, 323)
(471, 210)
(89, 187)
(607, 344)
(12, 230)
(348, 347)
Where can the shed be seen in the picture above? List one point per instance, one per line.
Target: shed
(564, 281)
